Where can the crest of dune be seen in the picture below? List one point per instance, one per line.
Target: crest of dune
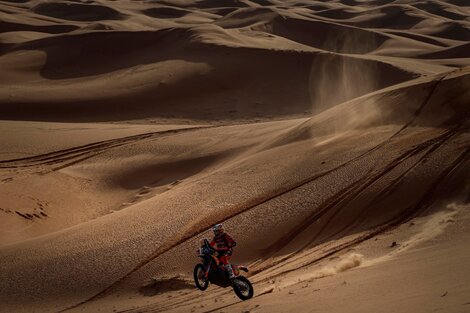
(330, 137)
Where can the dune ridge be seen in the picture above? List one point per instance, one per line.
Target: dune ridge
(321, 133)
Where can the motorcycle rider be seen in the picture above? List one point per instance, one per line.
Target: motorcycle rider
(224, 246)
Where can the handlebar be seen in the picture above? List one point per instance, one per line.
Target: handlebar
(205, 250)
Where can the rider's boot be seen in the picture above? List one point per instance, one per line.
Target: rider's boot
(229, 269)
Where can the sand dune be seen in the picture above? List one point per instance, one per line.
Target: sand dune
(331, 138)
(458, 2)
(390, 16)
(438, 8)
(205, 65)
(52, 29)
(451, 31)
(76, 11)
(461, 51)
(330, 37)
(165, 12)
(205, 4)
(427, 39)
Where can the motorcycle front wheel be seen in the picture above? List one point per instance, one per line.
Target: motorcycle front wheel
(200, 279)
(242, 287)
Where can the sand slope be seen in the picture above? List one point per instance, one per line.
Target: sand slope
(318, 132)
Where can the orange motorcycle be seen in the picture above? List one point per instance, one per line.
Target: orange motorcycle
(210, 270)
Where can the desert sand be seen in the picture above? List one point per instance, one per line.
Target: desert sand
(330, 137)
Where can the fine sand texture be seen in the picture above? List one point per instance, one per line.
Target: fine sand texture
(332, 139)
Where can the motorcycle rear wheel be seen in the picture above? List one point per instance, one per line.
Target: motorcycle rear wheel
(200, 277)
(243, 288)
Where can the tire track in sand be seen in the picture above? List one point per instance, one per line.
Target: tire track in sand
(422, 204)
(339, 200)
(56, 159)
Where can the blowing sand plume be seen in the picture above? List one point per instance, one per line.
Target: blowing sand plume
(328, 137)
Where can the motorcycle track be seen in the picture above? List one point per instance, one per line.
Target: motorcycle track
(346, 195)
(343, 197)
(59, 159)
(423, 203)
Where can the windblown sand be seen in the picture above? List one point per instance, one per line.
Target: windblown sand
(330, 137)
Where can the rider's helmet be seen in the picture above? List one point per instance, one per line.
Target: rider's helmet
(218, 229)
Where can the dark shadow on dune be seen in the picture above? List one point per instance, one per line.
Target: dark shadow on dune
(369, 2)
(418, 37)
(51, 29)
(96, 26)
(159, 286)
(221, 11)
(77, 11)
(165, 12)
(263, 2)
(337, 14)
(164, 173)
(245, 17)
(324, 35)
(451, 30)
(349, 2)
(461, 51)
(381, 2)
(437, 9)
(207, 4)
(82, 1)
(393, 17)
(73, 56)
(4, 47)
(317, 7)
(462, 3)
(246, 13)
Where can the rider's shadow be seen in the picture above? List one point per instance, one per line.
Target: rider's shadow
(159, 286)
